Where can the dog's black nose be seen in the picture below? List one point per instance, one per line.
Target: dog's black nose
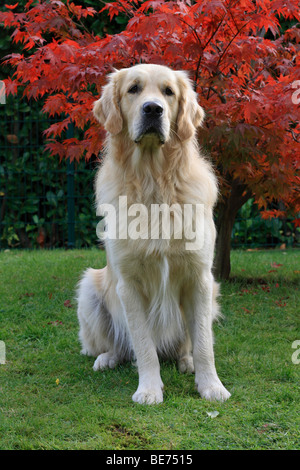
(152, 109)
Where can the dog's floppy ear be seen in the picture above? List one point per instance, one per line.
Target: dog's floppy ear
(107, 109)
(190, 114)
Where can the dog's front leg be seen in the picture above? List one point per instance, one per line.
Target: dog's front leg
(150, 384)
(198, 308)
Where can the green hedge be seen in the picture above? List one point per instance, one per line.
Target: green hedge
(33, 185)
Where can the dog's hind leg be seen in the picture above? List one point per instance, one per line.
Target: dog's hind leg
(92, 314)
(105, 360)
(100, 335)
(185, 358)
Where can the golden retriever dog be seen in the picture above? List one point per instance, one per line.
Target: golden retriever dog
(156, 298)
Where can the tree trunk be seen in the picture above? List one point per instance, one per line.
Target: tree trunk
(226, 213)
(225, 223)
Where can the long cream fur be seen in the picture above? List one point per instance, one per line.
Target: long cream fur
(154, 298)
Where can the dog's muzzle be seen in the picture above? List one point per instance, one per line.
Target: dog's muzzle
(151, 121)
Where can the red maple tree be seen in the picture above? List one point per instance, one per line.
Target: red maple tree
(244, 64)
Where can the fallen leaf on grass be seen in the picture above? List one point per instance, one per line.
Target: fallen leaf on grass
(212, 414)
(244, 291)
(246, 310)
(248, 291)
(280, 304)
(276, 265)
(27, 294)
(265, 288)
(67, 303)
(267, 427)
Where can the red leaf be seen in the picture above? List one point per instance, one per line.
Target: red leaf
(246, 310)
(276, 265)
(280, 304)
(12, 7)
(246, 83)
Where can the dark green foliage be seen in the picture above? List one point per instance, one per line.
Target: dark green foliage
(33, 185)
(251, 230)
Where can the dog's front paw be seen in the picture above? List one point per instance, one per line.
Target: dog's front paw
(148, 396)
(213, 390)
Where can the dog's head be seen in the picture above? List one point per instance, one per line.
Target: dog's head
(151, 102)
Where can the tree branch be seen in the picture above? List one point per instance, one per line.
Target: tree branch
(293, 135)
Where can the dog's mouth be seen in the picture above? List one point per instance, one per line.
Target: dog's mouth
(151, 130)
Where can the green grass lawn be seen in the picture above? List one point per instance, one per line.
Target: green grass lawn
(50, 398)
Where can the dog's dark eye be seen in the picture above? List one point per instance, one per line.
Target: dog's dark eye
(133, 89)
(169, 91)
